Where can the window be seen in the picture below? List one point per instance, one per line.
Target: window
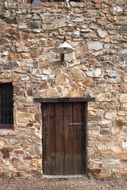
(6, 105)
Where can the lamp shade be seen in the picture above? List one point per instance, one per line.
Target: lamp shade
(65, 48)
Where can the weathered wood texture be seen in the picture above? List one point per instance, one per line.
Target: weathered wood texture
(63, 138)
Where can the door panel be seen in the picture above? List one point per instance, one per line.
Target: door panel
(59, 131)
(68, 139)
(77, 127)
(49, 163)
(63, 138)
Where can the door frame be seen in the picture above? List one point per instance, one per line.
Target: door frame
(69, 100)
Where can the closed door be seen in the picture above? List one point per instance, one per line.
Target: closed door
(64, 138)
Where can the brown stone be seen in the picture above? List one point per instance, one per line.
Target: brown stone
(102, 21)
(15, 56)
(5, 152)
(19, 151)
(104, 97)
(119, 123)
(123, 98)
(76, 91)
(30, 92)
(43, 85)
(95, 171)
(77, 73)
(52, 92)
(2, 143)
(89, 82)
(62, 79)
(23, 117)
(123, 87)
(122, 155)
(26, 55)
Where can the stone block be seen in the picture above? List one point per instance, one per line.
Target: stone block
(123, 98)
(116, 10)
(122, 28)
(123, 87)
(106, 97)
(96, 73)
(10, 65)
(77, 73)
(95, 45)
(22, 26)
(4, 41)
(102, 33)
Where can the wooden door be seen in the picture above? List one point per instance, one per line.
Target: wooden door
(64, 138)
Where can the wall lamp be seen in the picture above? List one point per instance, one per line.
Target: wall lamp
(64, 48)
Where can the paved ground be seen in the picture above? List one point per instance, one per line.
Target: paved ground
(37, 183)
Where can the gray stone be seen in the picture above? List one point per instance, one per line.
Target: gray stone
(104, 58)
(124, 145)
(10, 65)
(34, 25)
(78, 19)
(94, 73)
(22, 26)
(22, 49)
(102, 33)
(50, 56)
(46, 71)
(123, 52)
(111, 161)
(22, 166)
(60, 23)
(5, 53)
(10, 20)
(49, 27)
(3, 41)
(112, 73)
(95, 45)
(69, 57)
(105, 122)
(76, 33)
(32, 64)
(110, 115)
(38, 30)
(106, 46)
(116, 10)
(122, 28)
(93, 26)
(85, 26)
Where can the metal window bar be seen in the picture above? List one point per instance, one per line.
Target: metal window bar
(6, 105)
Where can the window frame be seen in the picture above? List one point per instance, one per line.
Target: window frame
(6, 87)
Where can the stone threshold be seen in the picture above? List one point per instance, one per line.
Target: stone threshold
(64, 176)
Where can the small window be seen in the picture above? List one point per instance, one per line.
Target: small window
(6, 105)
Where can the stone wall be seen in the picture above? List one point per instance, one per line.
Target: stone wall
(97, 68)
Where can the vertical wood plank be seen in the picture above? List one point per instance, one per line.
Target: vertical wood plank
(68, 139)
(84, 138)
(49, 132)
(59, 139)
(77, 131)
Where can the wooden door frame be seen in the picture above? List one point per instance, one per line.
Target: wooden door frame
(84, 119)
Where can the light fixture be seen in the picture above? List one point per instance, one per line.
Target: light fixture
(64, 48)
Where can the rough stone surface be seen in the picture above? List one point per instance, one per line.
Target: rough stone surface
(29, 34)
(95, 45)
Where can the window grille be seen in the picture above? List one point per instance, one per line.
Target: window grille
(6, 105)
